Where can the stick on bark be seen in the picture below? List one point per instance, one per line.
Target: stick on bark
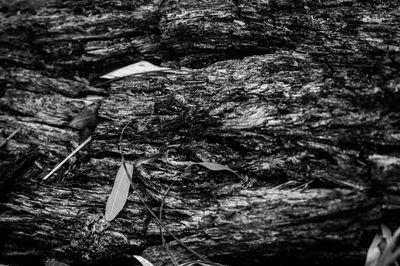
(68, 157)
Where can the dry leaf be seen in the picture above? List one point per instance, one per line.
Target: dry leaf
(143, 261)
(211, 167)
(391, 252)
(382, 250)
(374, 252)
(119, 193)
(133, 69)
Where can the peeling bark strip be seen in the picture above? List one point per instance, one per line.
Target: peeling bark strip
(299, 97)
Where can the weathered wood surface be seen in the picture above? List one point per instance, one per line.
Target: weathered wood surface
(278, 90)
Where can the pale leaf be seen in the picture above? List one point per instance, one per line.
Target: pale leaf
(119, 193)
(374, 252)
(393, 257)
(389, 255)
(212, 167)
(134, 69)
(386, 233)
(143, 261)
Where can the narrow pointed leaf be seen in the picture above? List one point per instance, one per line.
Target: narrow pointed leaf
(211, 167)
(120, 191)
(393, 257)
(143, 261)
(374, 252)
(133, 69)
(389, 255)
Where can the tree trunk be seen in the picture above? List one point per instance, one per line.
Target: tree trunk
(299, 98)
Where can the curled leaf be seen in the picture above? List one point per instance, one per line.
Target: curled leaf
(120, 191)
(211, 166)
(143, 261)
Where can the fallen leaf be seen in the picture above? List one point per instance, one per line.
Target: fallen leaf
(143, 261)
(120, 191)
(211, 167)
(382, 250)
(374, 252)
(391, 252)
(133, 69)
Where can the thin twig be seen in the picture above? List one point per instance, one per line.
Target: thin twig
(68, 157)
(162, 225)
(120, 140)
(10, 137)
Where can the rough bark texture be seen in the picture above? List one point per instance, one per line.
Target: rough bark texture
(298, 97)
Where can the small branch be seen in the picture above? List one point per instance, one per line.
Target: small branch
(68, 157)
(10, 137)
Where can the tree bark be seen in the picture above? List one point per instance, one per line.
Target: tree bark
(300, 98)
